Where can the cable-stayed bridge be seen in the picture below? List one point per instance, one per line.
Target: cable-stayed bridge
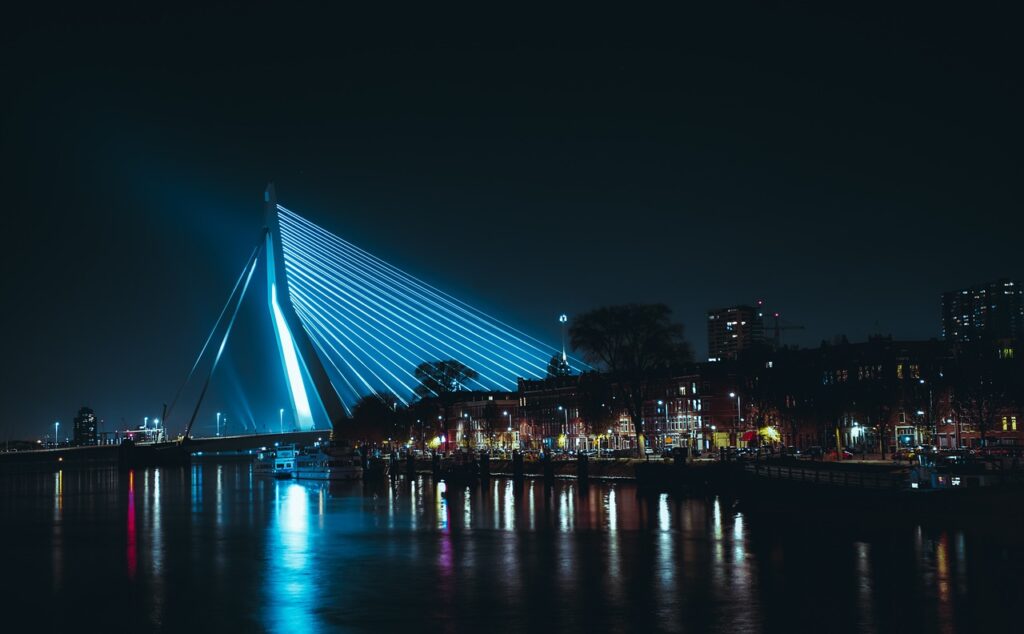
(349, 324)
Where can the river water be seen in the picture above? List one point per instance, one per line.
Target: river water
(212, 547)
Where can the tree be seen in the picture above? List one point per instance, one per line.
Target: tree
(983, 386)
(440, 381)
(633, 343)
(594, 398)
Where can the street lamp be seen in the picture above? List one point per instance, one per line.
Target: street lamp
(280, 415)
(509, 414)
(56, 438)
(565, 426)
(739, 408)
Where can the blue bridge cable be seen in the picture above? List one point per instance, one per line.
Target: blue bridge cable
(301, 272)
(316, 338)
(371, 322)
(364, 313)
(288, 214)
(535, 364)
(355, 312)
(374, 357)
(209, 337)
(529, 369)
(392, 327)
(223, 343)
(426, 294)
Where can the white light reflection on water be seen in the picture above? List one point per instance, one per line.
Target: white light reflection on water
(533, 510)
(58, 535)
(156, 545)
(665, 572)
(442, 506)
(865, 591)
(291, 597)
(615, 583)
(508, 508)
(415, 492)
(565, 509)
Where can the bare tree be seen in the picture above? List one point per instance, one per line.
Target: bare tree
(634, 343)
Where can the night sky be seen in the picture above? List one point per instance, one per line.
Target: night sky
(846, 168)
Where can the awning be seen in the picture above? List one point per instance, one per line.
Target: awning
(749, 436)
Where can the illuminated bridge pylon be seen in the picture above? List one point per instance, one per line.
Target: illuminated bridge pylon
(349, 324)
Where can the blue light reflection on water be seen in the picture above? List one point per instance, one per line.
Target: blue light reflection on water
(194, 553)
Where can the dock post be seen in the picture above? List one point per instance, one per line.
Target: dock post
(517, 464)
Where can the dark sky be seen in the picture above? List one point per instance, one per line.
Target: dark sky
(846, 167)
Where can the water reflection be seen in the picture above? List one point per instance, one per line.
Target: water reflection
(241, 553)
(289, 594)
(131, 546)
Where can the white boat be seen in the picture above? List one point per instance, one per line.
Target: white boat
(279, 463)
(329, 463)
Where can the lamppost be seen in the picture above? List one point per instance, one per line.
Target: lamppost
(56, 438)
(565, 426)
(929, 421)
(218, 423)
(713, 438)
(657, 418)
(739, 409)
(280, 419)
(509, 414)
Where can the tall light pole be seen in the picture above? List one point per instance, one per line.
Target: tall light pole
(565, 426)
(657, 418)
(56, 438)
(739, 409)
(509, 414)
(218, 423)
(563, 319)
(280, 416)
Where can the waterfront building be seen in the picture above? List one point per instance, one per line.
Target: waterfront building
(84, 431)
(990, 312)
(551, 411)
(480, 420)
(733, 330)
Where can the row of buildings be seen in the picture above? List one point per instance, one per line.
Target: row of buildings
(963, 390)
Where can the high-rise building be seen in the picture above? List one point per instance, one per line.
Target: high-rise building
(85, 427)
(734, 329)
(987, 312)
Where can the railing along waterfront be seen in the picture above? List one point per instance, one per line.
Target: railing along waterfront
(828, 477)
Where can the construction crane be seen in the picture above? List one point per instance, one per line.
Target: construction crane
(780, 326)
